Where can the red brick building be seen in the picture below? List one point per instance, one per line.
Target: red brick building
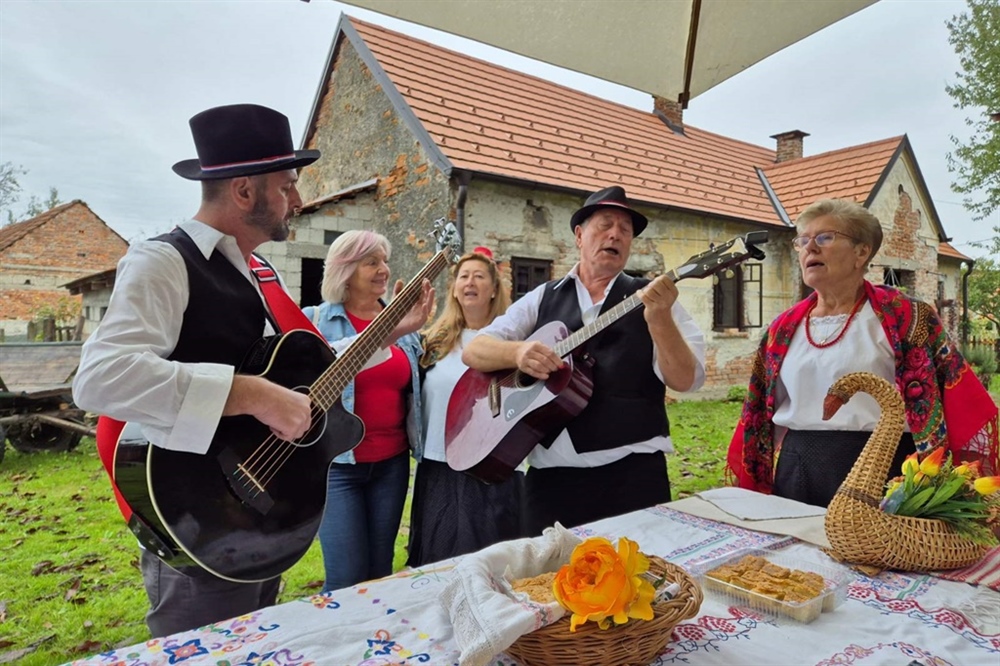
(40, 255)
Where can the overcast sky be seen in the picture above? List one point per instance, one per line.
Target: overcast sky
(95, 94)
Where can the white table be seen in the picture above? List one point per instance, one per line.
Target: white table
(892, 619)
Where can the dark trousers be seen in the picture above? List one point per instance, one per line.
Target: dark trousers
(179, 603)
(577, 495)
(813, 463)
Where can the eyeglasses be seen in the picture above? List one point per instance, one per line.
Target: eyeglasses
(823, 239)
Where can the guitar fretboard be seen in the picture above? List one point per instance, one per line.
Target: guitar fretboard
(327, 388)
(565, 346)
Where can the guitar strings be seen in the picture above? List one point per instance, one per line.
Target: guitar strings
(264, 463)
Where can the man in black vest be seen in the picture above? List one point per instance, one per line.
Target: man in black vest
(184, 311)
(610, 459)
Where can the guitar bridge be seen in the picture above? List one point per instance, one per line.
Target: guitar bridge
(494, 398)
(244, 483)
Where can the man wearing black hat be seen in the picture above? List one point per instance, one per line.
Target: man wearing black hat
(610, 459)
(184, 311)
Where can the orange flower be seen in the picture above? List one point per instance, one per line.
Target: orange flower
(931, 465)
(600, 583)
(987, 485)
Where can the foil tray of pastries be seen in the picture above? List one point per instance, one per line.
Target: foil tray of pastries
(775, 584)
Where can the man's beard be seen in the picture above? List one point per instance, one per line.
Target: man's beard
(261, 217)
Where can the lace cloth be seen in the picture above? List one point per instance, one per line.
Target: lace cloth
(486, 615)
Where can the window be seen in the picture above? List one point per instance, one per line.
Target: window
(737, 298)
(329, 236)
(905, 281)
(527, 274)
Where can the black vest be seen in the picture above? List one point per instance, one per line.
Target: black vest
(627, 405)
(224, 314)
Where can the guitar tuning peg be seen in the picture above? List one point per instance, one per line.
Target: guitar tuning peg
(729, 274)
(715, 279)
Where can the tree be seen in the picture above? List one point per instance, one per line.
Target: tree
(975, 36)
(10, 186)
(10, 194)
(984, 290)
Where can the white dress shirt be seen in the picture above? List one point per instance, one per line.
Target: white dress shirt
(519, 322)
(123, 370)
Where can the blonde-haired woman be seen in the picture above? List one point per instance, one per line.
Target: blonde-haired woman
(367, 486)
(453, 513)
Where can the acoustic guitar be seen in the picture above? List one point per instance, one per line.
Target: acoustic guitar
(494, 419)
(250, 507)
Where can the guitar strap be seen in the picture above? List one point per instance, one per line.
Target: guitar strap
(289, 317)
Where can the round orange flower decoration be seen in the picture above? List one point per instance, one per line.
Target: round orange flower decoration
(601, 583)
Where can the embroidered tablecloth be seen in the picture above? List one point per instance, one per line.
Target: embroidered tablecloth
(892, 619)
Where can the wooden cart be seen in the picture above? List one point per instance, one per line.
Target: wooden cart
(36, 402)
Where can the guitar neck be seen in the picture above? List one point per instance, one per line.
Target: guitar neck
(566, 346)
(327, 388)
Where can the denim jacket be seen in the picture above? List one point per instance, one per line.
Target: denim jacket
(331, 320)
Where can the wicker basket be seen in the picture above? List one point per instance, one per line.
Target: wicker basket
(633, 643)
(858, 530)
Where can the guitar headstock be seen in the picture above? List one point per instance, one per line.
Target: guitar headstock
(447, 238)
(723, 256)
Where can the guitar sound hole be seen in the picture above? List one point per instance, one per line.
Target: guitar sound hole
(523, 380)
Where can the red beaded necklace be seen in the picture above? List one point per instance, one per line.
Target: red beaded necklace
(850, 318)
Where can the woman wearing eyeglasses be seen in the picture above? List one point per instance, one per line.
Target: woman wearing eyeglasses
(847, 325)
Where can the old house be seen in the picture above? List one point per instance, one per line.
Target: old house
(411, 132)
(39, 256)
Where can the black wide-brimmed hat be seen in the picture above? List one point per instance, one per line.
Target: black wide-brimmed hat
(241, 140)
(609, 197)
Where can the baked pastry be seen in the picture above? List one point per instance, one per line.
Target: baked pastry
(769, 586)
(538, 588)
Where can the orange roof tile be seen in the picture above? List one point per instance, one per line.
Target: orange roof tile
(849, 173)
(493, 120)
(946, 250)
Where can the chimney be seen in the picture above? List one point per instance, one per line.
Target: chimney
(789, 145)
(670, 112)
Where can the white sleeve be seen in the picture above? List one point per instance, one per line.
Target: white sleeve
(123, 371)
(519, 320)
(696, 341)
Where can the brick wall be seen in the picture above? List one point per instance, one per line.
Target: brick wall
(73, 244)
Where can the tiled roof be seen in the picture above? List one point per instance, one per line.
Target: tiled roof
(490, 119)
(946, 250)
(848, 173)
(12, 233)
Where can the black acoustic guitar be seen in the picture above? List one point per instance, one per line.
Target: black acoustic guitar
(250, 507)
(494, 419)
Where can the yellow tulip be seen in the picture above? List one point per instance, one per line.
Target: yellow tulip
(987, 485)
(911, 464)
(931, 464)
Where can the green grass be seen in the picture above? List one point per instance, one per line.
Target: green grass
(69, 579)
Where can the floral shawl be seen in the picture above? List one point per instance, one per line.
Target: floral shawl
(945, 403)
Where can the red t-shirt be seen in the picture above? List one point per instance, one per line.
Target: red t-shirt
(380, 403)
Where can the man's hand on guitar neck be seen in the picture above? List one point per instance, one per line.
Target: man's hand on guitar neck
(288, 413)
(673, 356)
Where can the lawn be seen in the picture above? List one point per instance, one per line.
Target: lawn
(69, 578)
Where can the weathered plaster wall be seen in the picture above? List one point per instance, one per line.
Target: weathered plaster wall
(518, 221)
(361, 136)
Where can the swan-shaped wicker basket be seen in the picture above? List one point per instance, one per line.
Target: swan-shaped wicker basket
(858, 530)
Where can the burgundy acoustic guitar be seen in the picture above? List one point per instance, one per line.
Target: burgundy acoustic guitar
(495, 419)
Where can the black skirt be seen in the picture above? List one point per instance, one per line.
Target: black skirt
(453, 513)
(813, 463)
(577, 495)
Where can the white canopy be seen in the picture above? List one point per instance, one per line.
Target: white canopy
(676, 49)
